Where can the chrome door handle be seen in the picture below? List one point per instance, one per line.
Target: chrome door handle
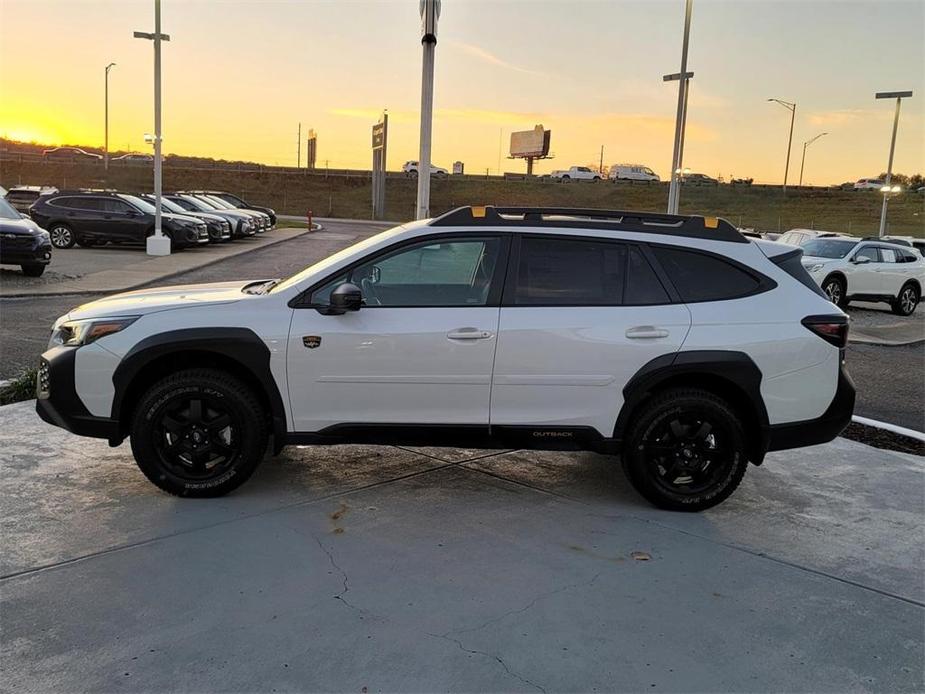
(468, 334)
(641, 332)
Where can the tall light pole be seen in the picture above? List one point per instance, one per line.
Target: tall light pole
(682, 77)
(158, 244)
(803, 162)
(899, 96)
(106, 119)
(793, 114)
(430, 12)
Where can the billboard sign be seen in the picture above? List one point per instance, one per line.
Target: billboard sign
(530, 143)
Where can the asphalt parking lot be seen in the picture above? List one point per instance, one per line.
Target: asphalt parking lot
(375, 569)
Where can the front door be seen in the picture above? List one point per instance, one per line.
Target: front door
(419, 351)
(579, 318)
(864, 278)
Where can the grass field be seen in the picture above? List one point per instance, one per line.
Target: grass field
(765, 209)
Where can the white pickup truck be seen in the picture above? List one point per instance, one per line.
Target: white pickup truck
(580, 173)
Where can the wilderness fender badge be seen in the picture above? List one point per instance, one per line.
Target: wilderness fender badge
(311, 341)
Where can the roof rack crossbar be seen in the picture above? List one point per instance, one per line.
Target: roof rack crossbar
(690, 226)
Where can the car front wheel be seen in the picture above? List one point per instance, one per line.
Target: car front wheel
(835, 290)
(61, 236)
(904, 304)
(685, 450)
(34, 270)
(198, 433)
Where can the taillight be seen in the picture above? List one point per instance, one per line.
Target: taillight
(832, 329)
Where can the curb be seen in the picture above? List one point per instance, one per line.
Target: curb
(863, 339)
(367, 222)
(886, 426)
(125, 288)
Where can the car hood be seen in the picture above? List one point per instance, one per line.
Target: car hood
(815, 260)
(19, 227)
(145, 301)
(177, 217)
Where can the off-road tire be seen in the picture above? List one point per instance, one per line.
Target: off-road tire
(643, 469)
(217, 391)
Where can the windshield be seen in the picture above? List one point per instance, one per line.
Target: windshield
(7, 211)
(218, 202)
(168, 205)
(185, 204)
(333, 260)
(199, 203)
(142, 205)
(828, 248)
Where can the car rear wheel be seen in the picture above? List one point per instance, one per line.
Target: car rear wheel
(35, 270)
(199, 433)
(61, 236)
(904, 304)
(685, 450)
(834, 288)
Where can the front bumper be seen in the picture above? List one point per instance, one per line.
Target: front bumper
(57, 401)
(11, 254)
(822, 429)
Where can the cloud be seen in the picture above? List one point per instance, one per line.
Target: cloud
(491, 58)
(847, 116)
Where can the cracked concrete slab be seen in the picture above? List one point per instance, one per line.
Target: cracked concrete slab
(341, 568)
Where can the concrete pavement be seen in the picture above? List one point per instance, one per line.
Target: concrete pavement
(387, 569)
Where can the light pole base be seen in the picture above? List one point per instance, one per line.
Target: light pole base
(158, 245)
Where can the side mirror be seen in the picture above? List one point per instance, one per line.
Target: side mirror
(346, 297)
(861, 259)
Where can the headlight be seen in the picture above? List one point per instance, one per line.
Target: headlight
(44, 235)
(83, 332)
(817, 267)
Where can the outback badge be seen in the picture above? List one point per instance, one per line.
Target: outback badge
(311, 341)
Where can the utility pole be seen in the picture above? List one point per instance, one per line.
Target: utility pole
(106, 119)
(430, 12)
(158, 244)
(683, 76)
(298, 148)
(886, 190)
(792, 107)
(600, 169)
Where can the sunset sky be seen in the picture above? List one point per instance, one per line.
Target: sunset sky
(239, 76)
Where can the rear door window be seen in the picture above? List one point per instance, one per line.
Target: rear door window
(643, 287)
(569, 272)
(702, 277)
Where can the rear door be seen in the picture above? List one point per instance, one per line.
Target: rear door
(579, 317)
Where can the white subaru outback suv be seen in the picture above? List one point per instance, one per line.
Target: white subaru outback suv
(674, 341)
(851, 269)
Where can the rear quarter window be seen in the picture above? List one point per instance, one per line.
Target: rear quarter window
(701, 277)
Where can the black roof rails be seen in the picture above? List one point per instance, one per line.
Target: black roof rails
(690, 226)
(888, 239)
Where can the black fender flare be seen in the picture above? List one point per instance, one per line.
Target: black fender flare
(240, 345)
(730, 368)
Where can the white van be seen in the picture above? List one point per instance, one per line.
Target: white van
(632, 172)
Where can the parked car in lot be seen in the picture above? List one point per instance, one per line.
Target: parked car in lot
(411, 169)
(673, 340)
(699, 179)
(851, 269)
(578, 173)
(23, 242)
(869, 184)
(22, 197)
(91, 218)
(263, 219)
(219, 228)
(632, 172)
(797, 237)
(241, 204)
(242, 224)
(71, 154)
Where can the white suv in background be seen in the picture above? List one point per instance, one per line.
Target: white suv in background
(798, 237)
(850, 269)
(410, 168)
(673, 341)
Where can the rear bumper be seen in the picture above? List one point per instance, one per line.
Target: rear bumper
(823, 429)
(57, 402)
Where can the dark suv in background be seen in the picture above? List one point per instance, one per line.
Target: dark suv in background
(91, 218)
(22, 242)
(219, 228)
(264, 221)
(242, 224)
(240, 203)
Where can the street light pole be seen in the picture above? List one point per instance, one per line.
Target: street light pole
(803, 162)
(158, 244)
(106, 118)
(793, 114)
(899, 96)
(683, 76)
(430, 12)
